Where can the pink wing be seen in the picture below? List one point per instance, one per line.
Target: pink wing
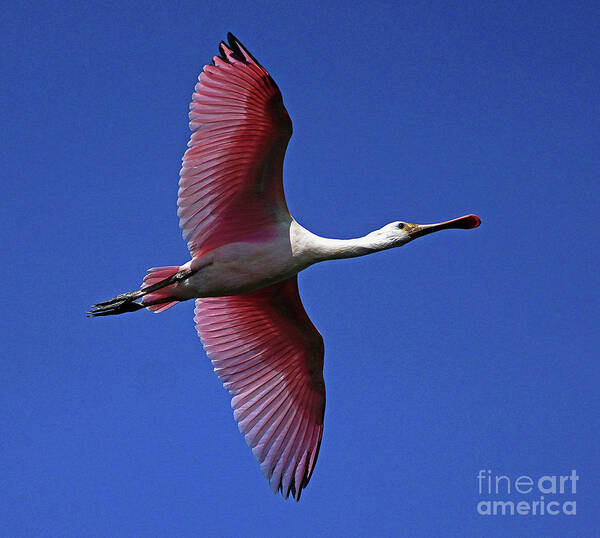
(269, 355)
(230, 186)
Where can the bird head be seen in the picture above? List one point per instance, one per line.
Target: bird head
(398, 233)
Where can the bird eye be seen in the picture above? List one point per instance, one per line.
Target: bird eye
(401, 225)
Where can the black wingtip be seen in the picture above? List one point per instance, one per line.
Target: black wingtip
(235, 44)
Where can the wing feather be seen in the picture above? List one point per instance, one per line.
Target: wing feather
(269, 356)
(230, 186)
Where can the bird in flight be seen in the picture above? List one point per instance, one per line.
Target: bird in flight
(246, 251)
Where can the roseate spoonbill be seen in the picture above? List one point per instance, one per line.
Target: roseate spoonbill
(246, 252)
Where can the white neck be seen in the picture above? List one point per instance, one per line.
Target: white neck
(313, 248)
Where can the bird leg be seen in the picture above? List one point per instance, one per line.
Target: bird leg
(126, 302)
(114, 308)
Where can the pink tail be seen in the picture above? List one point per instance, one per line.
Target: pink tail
(153, 276)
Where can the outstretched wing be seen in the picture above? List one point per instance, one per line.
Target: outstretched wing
(230, 186)
(269, 356)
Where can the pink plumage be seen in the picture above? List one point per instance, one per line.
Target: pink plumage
(269, 356)
(246, 253)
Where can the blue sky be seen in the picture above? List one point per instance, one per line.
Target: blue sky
(460, 352)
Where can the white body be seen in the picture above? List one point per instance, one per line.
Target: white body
(238, 268)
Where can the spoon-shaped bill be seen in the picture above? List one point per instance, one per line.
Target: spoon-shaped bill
(465, 222)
